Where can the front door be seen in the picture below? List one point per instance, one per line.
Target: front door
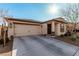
(48, 28)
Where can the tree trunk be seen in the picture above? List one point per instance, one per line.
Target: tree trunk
(4, 39)
(75, 28)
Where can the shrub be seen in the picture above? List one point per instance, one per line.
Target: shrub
(7, 40)
(73, 38)
(77, 37)
(1, 41)
(61, 35)
(67, 33)
(12, 37)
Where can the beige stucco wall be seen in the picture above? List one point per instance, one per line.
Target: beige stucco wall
(57, 29)
(64, 29)
(44, 28)
(10, 30)
(53, 26)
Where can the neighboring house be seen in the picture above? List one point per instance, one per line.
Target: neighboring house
(21, 27)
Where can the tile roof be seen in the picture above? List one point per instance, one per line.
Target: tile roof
(34, 21)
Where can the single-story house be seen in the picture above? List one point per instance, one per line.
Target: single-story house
(24, 27)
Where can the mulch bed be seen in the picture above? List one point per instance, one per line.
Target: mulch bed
(7, 50)
(68, 41)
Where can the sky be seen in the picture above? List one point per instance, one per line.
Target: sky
(35, 11)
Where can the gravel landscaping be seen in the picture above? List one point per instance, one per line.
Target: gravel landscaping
(7, 50)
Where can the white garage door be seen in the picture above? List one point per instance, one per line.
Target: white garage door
(23, 30)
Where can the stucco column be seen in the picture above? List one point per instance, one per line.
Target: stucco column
(58, 29)
(44, 28)
(10, 30)
(64, 28)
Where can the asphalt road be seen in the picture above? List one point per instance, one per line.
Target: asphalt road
(43, 46)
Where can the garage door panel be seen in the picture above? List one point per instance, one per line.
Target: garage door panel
(22, 30)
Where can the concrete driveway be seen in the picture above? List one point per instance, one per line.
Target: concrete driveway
(42, 46)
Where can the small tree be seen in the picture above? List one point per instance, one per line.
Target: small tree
(3, 13)
(71, 14)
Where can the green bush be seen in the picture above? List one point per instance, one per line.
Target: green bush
(68, 33)
(73, 38)
(61, 35)
(77, 37)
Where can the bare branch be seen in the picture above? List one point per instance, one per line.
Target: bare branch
(71, 13)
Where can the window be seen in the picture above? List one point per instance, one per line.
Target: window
(61, 27)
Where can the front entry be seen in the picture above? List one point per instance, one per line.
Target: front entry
(48, 28)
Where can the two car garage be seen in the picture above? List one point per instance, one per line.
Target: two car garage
(23, 30)
(17, 27)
